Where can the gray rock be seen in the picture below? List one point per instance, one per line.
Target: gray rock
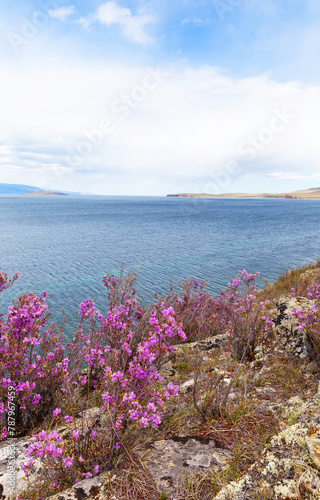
(204, 345)
(232, 396)
(187, 386)
(171, 459)
(265, 390)
(12, 477)
(167, 370)
(80, 491)
(311, 275)
(288, 329)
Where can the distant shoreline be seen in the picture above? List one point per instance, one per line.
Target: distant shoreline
(313, 193)
(232, 195)
(45, 193)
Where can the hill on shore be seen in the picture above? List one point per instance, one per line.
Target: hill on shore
(32, 190)
(312, 193)
(17, 188)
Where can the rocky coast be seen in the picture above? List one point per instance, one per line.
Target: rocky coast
(240, 431)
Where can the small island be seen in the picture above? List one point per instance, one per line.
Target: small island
(46, 193)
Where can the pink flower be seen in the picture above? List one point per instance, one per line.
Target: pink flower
(133, 414)
(36, 399)
(107, 397)
(144, 422)
(68, 461)
(87, 475)
(117, 376)
(56, 412)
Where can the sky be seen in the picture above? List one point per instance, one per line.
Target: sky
(150, 97)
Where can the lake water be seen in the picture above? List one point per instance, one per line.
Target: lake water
(66, 244)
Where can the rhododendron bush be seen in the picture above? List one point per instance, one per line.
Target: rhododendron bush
(32, 362)
(116, 354)
(195, 308)
(246, 318)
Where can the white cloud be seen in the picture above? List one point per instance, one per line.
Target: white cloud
(287, 176)
(132, 26)
(4, 150)
(178, 132)
(63, 13)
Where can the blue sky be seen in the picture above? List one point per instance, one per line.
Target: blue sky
(152, 97)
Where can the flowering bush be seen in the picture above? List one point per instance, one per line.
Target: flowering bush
(244, 316)
(122, 365)
(194, 308)
(113, 360)
(132, 394)
(124, 359)
(32, 364)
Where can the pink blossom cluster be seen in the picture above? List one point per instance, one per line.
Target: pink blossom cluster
(32, 363)
(62, 459)
(131, 378)
(123, 360)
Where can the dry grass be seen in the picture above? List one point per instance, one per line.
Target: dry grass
(288, 280)
(131, 481)
(248, 423)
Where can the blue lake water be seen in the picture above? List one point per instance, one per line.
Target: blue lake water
(66, 244)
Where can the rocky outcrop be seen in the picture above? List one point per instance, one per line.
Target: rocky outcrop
(289, 469)
(287, 327)
(181, 352)
(170, 460)
(11, 472)
(203, 345)
(82, 490)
